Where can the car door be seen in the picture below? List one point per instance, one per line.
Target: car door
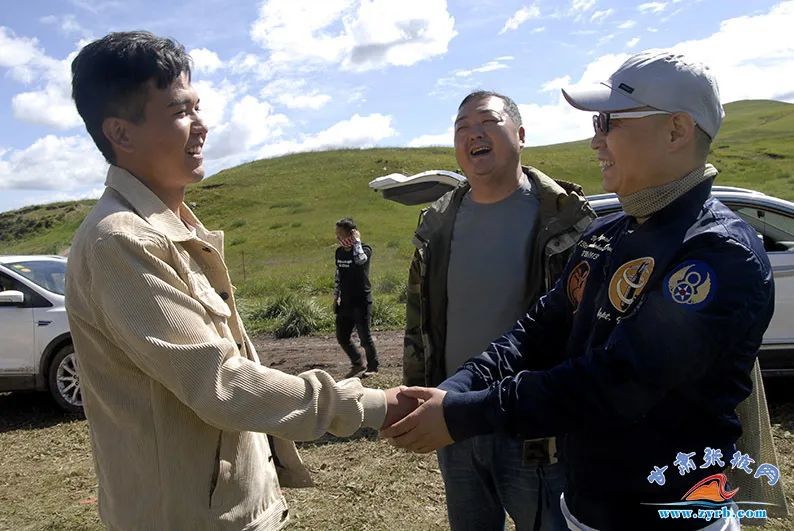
(17, 333)
(776, 228)
(416, 189)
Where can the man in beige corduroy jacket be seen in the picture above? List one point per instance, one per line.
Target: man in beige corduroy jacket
(177, 401)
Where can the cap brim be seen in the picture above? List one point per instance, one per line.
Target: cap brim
(600, 98)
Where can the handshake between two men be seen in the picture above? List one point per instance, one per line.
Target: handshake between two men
(415, 419)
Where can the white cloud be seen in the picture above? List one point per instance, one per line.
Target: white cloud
(292, 94)
(633, 42)
(66, 24)
(555, 84)
(311, 101)
(25, 60)
(248, 63)
(557, 122)
(490, 66)
(540, 29)
(600, 16)
(53, 163)
(205, 60)
(52, 106)
(50, 103)
(605, 39)
(519, 17)
(214, 100)
(761, 71)
(96, 7)
(580, 7)
(446, 138)
(462, 80)
(743, 72)
(16, 51)
(600, 69)
(356, 132)
(251, 123)
(627, 24)
(357, 34)
(652, 7)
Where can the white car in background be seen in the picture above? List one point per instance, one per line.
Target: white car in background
(36, 349)
(772, 217)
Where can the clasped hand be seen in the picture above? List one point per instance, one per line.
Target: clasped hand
(415, 419)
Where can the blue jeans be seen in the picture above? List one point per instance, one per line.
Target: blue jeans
(485, 476)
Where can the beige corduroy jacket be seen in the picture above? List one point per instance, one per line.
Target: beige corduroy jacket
(177, 401)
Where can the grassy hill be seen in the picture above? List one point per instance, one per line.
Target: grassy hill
(278, 214)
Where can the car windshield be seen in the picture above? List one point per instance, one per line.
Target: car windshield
(49, 274)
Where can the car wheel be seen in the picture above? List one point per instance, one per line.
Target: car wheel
(64, 381)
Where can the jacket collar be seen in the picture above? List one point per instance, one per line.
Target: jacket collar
(557, 198)
(151, 208)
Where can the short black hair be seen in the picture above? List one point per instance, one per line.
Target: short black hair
(510, 106)
(110, 77)
(347, 223)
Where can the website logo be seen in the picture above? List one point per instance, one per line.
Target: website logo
(711, 498)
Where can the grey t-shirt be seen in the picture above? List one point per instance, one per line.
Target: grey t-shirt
(487, 272)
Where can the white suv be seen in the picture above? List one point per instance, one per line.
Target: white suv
(36, 349)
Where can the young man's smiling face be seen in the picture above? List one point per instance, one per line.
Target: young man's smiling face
(487, 141)
(167, 144)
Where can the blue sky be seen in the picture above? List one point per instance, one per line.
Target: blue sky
(282, 76)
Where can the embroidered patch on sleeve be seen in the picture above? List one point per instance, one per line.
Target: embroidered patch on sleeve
(628, 282)
(576, 283)
(692, 284)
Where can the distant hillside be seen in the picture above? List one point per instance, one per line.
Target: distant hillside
(278, 214)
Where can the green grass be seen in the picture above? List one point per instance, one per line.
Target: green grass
(278, 214)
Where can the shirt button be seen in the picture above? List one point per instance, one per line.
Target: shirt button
(224, 295)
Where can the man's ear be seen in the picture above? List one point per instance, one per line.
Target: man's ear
(521, 136)
(116, 130)
(682, 131)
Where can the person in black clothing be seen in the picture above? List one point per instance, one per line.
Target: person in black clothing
(353, 297)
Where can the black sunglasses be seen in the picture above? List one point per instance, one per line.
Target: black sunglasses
(601, 120)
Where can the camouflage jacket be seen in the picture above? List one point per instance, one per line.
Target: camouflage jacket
(564, 214)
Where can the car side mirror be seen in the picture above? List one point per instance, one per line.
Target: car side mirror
(11, 298)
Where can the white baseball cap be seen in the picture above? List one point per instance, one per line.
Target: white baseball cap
(661, 79)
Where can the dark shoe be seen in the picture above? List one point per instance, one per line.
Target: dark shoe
(370, 372)
(355, 370)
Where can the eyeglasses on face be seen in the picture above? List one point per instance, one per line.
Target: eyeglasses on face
(602, 119)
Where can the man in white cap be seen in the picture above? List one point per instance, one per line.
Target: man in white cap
(639, 355)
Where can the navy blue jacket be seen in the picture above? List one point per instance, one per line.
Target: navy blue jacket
(641, 350)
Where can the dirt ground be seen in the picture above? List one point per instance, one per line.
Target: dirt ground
(361, 481)
(322, 352)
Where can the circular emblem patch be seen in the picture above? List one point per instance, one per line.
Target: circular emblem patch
(576, 283)
(628, 282)
(691, 284)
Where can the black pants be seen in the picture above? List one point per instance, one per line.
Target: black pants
(358, 315)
